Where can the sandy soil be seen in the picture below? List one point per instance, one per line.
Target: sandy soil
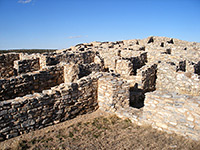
(99, 130)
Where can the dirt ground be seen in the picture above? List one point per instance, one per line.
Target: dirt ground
(99, 131)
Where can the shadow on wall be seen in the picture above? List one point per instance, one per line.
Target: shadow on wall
(136, 97)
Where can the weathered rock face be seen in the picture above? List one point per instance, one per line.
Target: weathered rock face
(152, 81)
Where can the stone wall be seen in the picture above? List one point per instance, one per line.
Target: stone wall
(124, 67)
(71, 72)
(66, 101)
(173, 113)
(125, 62)
(84, 57)
(181, 82)
(149, 76)
(26, 65)
(139, 61)
(168, 112)
(165, 111)
(113, 93)
(31, 82)
(7, 63)
(43, 60)
(86, 69)
(167, 65)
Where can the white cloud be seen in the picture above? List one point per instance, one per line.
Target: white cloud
(24, 1)
(75, 37)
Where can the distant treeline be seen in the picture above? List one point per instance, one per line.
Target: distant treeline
(29, 51)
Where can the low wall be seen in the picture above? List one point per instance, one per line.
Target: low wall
(66, 101)
(7, 63)
(167, 112)
(139, 61)
(173, 113)
(180, 82)
(71, 72)
(113, 93)
(86, 69)
(26, 65)
(148, 74)
(31, 82)
(124, 67)
(85, 57)
(123, 61)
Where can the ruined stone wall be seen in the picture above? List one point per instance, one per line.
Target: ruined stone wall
(180, 82)
(71, 72)
(134, 61)
(124, 67)
(169, 66)
(7, 63)
(86, 69)
(43, 60)
(149, 76)
(168, 112)
(66, 101)
(29, 56)
(124, 62)
(84, 57)
(113, 93)
(139, 61)
(110, 63)
(173, 113)
(31, 82)
(26, 65)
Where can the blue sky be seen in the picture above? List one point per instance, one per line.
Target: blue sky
(62, 23)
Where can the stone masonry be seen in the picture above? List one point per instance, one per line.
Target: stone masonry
(153, 81)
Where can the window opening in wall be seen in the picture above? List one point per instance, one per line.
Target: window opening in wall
(162, 44)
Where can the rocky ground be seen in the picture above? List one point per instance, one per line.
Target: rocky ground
(99, 130)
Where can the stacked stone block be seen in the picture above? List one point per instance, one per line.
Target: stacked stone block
(124, 67)
(71, 72)
(7, 63)
(26, 65)
(69, 84)
(179, 82)
(173, 113)
(113, 93)
(30, 83)
(66, 101)
(149, 76)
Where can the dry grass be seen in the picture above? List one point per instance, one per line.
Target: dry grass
(99, 132)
